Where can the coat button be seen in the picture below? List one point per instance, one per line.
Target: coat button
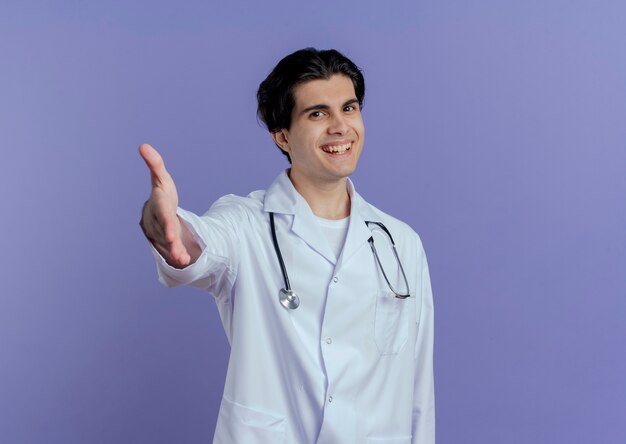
(329, 341)
(335, 279)
(330, 399)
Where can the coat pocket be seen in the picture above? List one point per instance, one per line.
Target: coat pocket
(239, 424)
(391, 326)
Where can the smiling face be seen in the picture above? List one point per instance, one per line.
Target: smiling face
(325, 139)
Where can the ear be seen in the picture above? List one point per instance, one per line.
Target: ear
(280, 139)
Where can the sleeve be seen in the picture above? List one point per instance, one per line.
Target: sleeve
(217, 233)
(424, 387)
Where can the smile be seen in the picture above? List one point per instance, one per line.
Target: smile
(337, 149)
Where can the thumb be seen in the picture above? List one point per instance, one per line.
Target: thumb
(155, 164)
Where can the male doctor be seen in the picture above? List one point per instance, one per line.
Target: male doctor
(331, 330)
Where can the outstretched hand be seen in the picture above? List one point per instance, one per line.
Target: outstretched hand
(159, 221)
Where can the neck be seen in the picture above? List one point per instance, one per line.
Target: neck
(329, 200)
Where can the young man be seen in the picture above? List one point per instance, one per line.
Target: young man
(331, 329)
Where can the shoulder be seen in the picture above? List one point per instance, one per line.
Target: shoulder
(232, 206)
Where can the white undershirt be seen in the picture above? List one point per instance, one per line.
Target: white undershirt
(335, 232)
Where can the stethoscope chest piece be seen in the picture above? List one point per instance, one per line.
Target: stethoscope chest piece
(288, 299)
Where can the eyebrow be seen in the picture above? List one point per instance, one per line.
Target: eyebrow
(324, 107)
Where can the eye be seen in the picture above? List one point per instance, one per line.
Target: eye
(349, 108)
(316, 114)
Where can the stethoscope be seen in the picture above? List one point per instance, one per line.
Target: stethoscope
(289, 299)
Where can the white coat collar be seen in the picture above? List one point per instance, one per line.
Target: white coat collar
(282, 198)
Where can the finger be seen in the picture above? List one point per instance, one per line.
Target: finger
(155, 163)
(172, 232)
(176, 256)
(154, 233)
(163, 251)
(167, 226)
(179, 254)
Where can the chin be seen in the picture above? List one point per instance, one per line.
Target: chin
(342, 174)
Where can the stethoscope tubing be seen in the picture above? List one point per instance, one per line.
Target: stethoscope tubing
(289, 299)
(380, 265)
(278, 253)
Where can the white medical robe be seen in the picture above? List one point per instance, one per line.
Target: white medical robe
(352, 364)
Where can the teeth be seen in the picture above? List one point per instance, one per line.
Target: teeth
(339, 149)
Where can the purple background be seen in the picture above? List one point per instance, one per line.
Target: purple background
(495, 128)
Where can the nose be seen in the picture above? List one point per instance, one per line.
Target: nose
(337, 125)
